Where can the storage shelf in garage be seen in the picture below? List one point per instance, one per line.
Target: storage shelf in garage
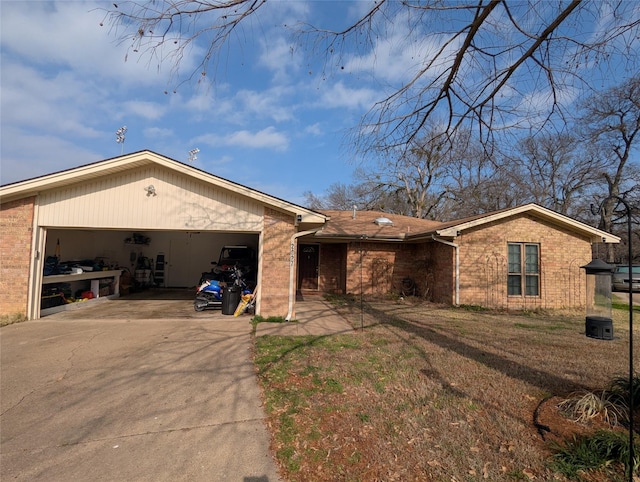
(93, 276)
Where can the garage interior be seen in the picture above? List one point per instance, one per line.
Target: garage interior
(158, 259)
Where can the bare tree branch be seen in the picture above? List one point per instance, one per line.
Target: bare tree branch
(491, 65)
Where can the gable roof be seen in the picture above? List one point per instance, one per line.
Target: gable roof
(31, 187)
(343, 225)
(453, 228)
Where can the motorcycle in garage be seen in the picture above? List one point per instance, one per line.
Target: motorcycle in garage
(222, 289)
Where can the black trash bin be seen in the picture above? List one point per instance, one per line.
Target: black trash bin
(230, 300)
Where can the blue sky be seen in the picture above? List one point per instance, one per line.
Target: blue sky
(266, 116)
(266, 119)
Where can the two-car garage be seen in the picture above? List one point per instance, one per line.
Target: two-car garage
(144, 211)
(175, 259)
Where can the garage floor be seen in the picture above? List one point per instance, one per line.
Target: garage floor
(148, 304)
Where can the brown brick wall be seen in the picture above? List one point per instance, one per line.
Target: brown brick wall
(384, 266)
(363, 261)
(331, 273)
(16, 229)
(483, 265)
(437, 281)
(276, 258)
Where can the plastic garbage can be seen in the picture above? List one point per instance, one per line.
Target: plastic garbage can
(230, 300)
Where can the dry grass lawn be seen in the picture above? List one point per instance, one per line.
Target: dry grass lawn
(431, 393)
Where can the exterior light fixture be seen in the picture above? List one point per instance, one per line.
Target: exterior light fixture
(120, 136)
(151, 190)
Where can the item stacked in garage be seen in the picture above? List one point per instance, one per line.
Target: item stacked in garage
(55, 295)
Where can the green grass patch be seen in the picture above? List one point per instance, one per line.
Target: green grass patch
(271, 319)
(339, 300)
(620, 305)
(434, 393)
(473, 308)
(602, 451)
(291, 380)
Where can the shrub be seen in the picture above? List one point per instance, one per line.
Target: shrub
(601, 451)
(619, 387)
(585, 406)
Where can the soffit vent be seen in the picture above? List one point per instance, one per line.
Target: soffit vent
(383, 222)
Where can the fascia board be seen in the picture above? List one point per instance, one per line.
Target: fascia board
(32, 187)
(360, 237)
(596, 235)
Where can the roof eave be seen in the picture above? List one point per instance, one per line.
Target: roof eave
(360, 237)
(595, 235)
(32, 187)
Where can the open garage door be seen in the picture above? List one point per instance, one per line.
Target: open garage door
(166, 259)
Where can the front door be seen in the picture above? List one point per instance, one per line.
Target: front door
(308, 266)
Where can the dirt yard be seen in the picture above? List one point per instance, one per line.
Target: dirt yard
(423, 392)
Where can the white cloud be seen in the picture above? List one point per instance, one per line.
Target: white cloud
(281, 58)
(33, 99)
(30, 155)
(339, 95)
(157, 132)
(398, 56)
(314, 129)
(274, 103)
(267, 138)
(243, 107)
(68, 34)
(145, 109)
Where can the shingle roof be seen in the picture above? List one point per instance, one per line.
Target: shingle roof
(344, 224)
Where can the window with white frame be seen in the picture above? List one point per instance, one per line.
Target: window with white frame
(524, 269)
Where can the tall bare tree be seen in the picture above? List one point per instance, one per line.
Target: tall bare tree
(415, 175)
(492, 65)
(342, 196)
(611, 121)
(554, 170)
(476, 184)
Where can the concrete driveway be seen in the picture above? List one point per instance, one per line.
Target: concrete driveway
(113, 395)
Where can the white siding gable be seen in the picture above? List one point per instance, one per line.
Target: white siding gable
(121, 202)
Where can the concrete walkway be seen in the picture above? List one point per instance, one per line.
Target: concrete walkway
(312, 317)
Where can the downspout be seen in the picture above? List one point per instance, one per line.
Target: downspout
(457, 248)
(292, 264)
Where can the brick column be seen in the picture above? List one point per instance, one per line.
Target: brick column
(16, 231)
(276, 255)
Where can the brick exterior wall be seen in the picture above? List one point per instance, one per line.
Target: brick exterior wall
(276, 258)
(483, 265)
(331, 272)
(16, 230)
(385, 266)
(437, 276)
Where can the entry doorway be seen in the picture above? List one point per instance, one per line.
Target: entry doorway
(308, 257)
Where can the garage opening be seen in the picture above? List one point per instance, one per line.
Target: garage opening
(149, 260)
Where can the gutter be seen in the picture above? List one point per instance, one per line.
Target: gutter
(457, 248)
(292, 264)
